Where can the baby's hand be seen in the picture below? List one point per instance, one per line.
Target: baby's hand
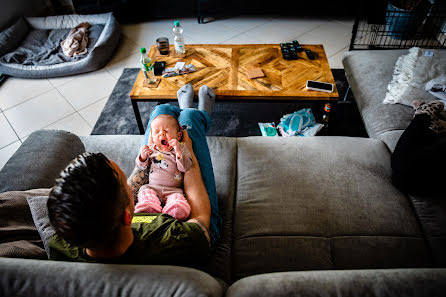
(176, 146)
(145, 153)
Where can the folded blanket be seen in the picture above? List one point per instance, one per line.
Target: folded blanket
(18, 234)
(412, 72)
(76, 41)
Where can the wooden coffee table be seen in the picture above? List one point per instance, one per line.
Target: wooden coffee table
(223, 67)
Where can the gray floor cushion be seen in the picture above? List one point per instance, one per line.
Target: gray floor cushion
(30, 48)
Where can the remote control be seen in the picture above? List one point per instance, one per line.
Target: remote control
(293, 52)
(285, 51)
(297, 46)
(310, 54)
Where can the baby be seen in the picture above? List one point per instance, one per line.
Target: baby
(168, 159)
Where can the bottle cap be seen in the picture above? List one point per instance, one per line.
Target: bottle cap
(327, 107)
(143, 50)
(176, 23)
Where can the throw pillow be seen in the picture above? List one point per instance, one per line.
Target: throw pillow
(412, 72)
(18, 235)
(39, 211)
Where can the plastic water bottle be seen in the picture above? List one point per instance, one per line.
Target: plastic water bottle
(147, 67)
(178, 40)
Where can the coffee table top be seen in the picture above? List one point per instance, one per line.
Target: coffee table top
(223, 68)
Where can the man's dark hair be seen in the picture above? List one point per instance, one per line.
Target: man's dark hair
(87, 203)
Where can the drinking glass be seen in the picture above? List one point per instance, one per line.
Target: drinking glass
(163, 45)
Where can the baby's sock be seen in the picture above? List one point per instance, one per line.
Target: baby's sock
(206, 99)
(185, 96)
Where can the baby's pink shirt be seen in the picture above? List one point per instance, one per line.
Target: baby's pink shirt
(165, 168)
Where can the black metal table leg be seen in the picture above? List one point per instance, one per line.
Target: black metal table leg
(137, 116)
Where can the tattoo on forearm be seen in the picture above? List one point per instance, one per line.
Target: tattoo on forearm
(138, 178)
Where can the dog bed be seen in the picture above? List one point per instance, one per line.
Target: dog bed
(31, 47)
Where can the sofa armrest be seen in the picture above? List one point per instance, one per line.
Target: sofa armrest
(379, 282)
(20, 277)
(39, 160)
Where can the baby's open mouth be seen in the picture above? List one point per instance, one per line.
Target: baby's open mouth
(164, 142)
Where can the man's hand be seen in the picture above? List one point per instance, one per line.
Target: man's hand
(176, 146)
(187, 140)
(145, 153)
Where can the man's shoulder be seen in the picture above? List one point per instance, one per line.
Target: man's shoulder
(60, 250)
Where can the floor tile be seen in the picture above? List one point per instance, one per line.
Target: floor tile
(73, 123)
(284, 29)
(335, 61)
(243, 38)
(216, 31)
(88, 88)
(8, 135)
(145, 34)
(7, 152)
(115, 67)
(241, 24)
(38, 112)
(17, 90)
(211, 33)
(126, 48)
(91, 113)
(58, 81)
(333, 35)
(346, 20)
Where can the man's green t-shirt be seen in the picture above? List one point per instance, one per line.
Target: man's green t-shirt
(158, 239)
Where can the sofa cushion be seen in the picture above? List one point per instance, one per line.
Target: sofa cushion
(368, 73)
(18, 235)
(379, 283)
(431, 213)
(39, 160)
(32, 278)
(320, 203)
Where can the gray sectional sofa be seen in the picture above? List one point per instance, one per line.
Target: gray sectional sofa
(312, 216)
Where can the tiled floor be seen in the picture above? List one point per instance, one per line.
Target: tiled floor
(74, 103)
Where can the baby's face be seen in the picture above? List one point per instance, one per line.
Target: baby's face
(164, 128)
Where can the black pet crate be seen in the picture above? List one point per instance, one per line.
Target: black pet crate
(381, 25)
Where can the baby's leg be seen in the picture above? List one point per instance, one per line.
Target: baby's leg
(177, 206)
(148, 201)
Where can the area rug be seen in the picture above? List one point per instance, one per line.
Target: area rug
(233, 119)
